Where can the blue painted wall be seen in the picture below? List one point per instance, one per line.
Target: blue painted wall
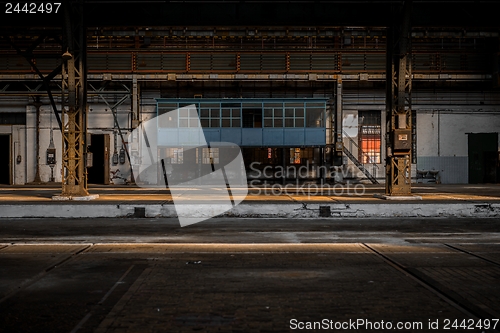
(293, 122)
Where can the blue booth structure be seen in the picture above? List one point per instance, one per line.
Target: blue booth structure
(271, 132)
(252, 122)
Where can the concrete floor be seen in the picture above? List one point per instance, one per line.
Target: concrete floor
(249, 275)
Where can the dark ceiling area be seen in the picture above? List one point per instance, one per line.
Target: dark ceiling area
(478, 14)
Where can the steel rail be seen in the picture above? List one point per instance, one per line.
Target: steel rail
(441, 291)
(473, 254)
(40, 275)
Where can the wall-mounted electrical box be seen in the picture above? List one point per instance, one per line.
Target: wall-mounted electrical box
(51, 156)
(122, 156)
(402, 139)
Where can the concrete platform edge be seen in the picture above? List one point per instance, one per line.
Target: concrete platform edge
(278, 210)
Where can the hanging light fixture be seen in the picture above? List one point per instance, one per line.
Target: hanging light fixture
(66, 55)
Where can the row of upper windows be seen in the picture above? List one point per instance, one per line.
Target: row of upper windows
(250, 115)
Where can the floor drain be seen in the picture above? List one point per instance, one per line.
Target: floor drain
(139, 211)
(324, 211)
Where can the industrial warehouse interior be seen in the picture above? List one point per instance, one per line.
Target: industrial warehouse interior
(249, 166)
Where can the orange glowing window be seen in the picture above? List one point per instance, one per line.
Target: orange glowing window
(369, 137)
(294, 155)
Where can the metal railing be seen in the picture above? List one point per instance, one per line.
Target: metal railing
(358, 163)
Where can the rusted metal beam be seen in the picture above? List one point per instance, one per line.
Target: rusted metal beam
(45, 79)
(398, 106)
(74, 105)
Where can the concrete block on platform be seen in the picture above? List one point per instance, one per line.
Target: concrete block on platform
(398, 197)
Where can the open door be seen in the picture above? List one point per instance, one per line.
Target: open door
(252, 118)
(483, 158)
(5, 160)
(98, 173)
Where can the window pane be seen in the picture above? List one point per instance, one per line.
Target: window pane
(236, 113)
(226, 123)
(278, 122)
(184, 113)
(215, 113)
(289, 113)
(183, 123)
(299, 112)
(236, 123)
(268, 112)
(215, 122)
(180, 156)
(314, 117)
(369, 134)
(289, 122)
(226, 113)
(204, 113)
(193, 122)
(299, 122)
(268, 122)
(169, 121)
(174, 155)
(162, 122)
(278, 112)
(294, 155)
(204, 122)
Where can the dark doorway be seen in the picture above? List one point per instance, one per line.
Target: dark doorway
(252, 118)
(98, 173)
(5, 160)
(483, 158)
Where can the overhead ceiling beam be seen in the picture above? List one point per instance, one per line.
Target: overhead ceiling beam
(275, 13)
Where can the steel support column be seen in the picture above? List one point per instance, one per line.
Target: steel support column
(398, 106)
(339, 115)
(38, 105)
(74, 104)
(136, 119)
(135, 102)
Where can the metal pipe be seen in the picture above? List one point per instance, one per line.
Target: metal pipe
(115, 117)
(37, 105)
